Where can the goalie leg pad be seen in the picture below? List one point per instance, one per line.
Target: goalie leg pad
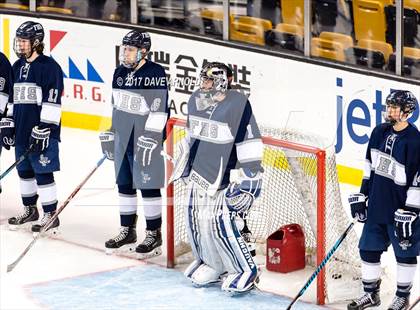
(239, 282)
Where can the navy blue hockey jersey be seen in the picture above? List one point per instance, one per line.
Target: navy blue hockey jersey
(391, 174)
(140, 101)
(37, 91)
(6, 82)
(224, 136)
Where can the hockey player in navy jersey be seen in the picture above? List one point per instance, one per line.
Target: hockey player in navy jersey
(33, 122)
(6, 85)
(221, 161)
(140, 112)
(389, 202)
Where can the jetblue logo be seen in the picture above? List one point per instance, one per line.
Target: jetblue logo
(364, 124)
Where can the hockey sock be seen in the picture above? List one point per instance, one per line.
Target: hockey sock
(127, 197)
(406, 270)
(28, 188)
(371, 270)
(47, 191)
(152, 205)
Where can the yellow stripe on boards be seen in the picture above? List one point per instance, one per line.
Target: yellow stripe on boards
(85, 121)
(6, 37)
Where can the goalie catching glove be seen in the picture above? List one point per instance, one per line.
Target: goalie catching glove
(241, 193)
(404, 224)
(145, 148)
(107, 144)
(358, 207)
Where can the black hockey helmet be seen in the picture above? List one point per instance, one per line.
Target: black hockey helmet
(218, 73)
(31, 31)
(138, 39)
(404, 99)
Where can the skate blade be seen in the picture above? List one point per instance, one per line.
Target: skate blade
(23, 227)
(234, 293)
(153, 253)
(49, 233)
(125, 249)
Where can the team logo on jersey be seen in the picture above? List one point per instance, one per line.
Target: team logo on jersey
(155, 105)
(120, 81)
(129, 79)
(145, 177)
(43, 160)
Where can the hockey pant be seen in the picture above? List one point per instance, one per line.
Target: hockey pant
(216, 241)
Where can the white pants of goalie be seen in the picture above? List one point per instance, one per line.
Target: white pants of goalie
(216, 243)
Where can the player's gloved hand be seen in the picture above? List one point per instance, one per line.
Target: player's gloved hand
(107, 144)
(7, 132)
(145, 148)
(404, 225)
(358, 207)
(39, 139)
(241, 193)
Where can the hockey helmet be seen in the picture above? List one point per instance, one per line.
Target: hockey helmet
(32, 31)
(403, 99)
(216, 72)
(136, 39)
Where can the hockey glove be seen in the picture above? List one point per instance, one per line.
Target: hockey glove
(107, 144)
(241, 193)
(181, 160)
(39, 139)
(404, 225)
(7, 132)
(358, 207)
(145, 148)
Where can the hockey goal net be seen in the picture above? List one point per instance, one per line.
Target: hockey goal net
(300, 185)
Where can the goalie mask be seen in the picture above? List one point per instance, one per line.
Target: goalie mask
(213, 78)
(29, 38)
(131, 50)
(402, 102)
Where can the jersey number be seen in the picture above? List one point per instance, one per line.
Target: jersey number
(53, 95)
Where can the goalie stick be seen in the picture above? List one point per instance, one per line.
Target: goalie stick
(414, 304)
(20, 159)
(322, 264)
(49, 223)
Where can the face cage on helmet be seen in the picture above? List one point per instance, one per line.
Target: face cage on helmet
(219, 84)
(127, 62)
(20, 53)
(393, 121)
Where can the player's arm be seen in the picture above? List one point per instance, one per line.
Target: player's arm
(50, 117)
(7, 125)
(155, 127)
(247, 181)
(407, 218)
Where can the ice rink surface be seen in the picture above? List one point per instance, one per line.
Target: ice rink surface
(71, 270)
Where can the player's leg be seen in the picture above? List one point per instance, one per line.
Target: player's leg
(127, 200)
(373, 241)
(47, 191)
(44, 165)
(207, 265)
(152, 206)
(406, 257)
(242, 270)
(28, 193)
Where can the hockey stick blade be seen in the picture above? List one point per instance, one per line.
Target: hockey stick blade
(322, 264)
(20, 159)
(52, 219)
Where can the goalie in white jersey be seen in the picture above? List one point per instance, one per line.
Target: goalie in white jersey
(222, 137)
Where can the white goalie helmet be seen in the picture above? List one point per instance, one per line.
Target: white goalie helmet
(217, 73)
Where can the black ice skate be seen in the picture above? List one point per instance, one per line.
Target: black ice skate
(366, 301)
(30, 214)
(151, 245)
(53, 228)
(399, 303)
(249, 240)
(125, 241)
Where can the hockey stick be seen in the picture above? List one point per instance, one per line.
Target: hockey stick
(414, 304)
(52, 219)
(323, 263)
(20, 159)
